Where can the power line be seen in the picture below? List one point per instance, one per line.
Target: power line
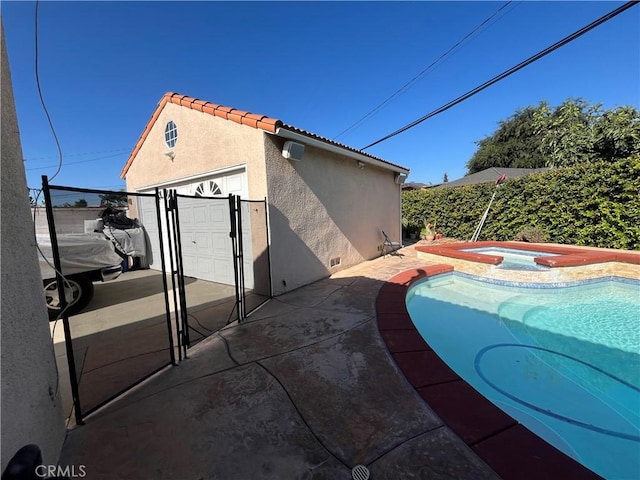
(423, 71)
(78, 154)
(120, 186)
(44, 106)
(75, 163)
(512, 70)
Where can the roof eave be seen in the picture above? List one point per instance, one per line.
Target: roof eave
(143, 135)
(298, 137)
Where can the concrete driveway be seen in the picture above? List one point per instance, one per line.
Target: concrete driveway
(122, 336)
(305, 388)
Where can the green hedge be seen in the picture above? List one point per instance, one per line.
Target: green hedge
(595, 204)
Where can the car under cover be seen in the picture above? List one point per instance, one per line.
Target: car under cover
(78, 253)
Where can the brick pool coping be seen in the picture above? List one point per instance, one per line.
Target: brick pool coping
(509, 448)
(567, 256)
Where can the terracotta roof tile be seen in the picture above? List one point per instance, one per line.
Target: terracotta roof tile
(198, 105)
(236, 116)
(209, 108)
(251, 122)
(242, 117)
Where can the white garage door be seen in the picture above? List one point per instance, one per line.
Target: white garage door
(205, 226)
(206, 245)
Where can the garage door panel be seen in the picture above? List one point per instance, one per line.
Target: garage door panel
(219, 215)
(188, 243)
(223, 270)
(186, 217)
(205, 269)
(221, 245)
(148, 217)
(205, 225)
(202, 242)
(235, 184)
(206, 241)
(189, 263)
(201, 215)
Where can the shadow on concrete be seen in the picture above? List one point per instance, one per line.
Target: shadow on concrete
(128, 287)
(305, 388)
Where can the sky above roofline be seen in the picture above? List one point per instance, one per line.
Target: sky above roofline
(320, 66)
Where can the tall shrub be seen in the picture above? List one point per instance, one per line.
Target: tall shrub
(595, 204)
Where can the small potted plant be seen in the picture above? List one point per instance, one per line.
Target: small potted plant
(429, 231)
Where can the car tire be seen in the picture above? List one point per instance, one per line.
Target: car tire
(79, 287)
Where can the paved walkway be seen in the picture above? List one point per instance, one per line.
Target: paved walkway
(305, 388)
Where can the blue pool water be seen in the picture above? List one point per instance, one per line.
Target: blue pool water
(564, 362)
(514, 259)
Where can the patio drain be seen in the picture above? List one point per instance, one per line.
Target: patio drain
(360, 472)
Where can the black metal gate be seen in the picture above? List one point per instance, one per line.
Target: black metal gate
(235, 274)
(161, 304)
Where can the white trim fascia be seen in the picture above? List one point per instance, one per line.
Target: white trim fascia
(288, 134)
(190, 178)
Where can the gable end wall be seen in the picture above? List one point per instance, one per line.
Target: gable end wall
(205, 143)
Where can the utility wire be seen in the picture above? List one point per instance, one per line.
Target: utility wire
(512, 70)
(77, 154)
(44, 106)
(76, 163)
(423, 71)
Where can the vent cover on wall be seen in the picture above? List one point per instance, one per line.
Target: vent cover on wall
(292, 150)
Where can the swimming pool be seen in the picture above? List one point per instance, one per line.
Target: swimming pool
(564, 362)
(513, 259)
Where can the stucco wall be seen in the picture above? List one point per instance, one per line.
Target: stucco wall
(205, 143)
(67, 219)
(324, 207)
(321, 208)
(31, 409)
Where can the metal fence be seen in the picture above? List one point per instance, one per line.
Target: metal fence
(128, 299)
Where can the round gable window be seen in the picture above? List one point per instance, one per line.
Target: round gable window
(170, 134)
(207, 189)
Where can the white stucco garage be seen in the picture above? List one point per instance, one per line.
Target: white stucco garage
(327, 202)
(204, 225)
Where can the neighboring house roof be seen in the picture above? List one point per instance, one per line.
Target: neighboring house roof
(262, 122)
(414, 186)
(490, 175)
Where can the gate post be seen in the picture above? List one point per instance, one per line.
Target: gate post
(75, 394)
(185, 339)
(167, 209)
(234, 251)
(164, 278)
(240, 257)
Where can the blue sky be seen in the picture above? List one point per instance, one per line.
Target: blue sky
(320, 66)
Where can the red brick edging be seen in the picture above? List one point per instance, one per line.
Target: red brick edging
(566, 256)
(506, 446)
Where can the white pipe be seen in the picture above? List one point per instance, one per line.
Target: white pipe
(476, 234)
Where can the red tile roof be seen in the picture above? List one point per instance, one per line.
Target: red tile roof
(262, 122)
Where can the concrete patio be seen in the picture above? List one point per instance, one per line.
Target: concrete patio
(305, 388)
